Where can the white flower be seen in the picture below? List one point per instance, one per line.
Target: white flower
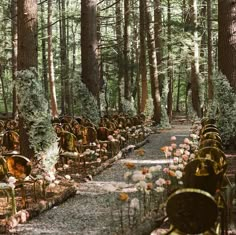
(173, 167)
(138, 177)
(65, 166)
(192, 156)
(141, 185)
(50, 177)
(148, 176)
(68, 177)
(159, 189)
(155, 168)
(160, 182)
(194, 136)
(52, 185)
(179, 174)
(134, 204)
(127, 175)
(11, 180)
(181, 166)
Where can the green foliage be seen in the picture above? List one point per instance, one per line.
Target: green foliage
(149, 108)
(128, 107)
(33, 107)
(88, 104)
(224, 108)
(164, 116)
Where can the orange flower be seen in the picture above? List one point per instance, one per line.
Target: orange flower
(140, 152)
(145, 171)
(123, 197)
(172, 173)
(130, 165)
(164, 149)
(149, 186)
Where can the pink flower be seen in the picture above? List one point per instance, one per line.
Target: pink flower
(168, 182)
(178, 153)
(186, 141)
(175, 159)
(168, 154)
(160, 181)
(174, 146)
(173, 138)
(187, 152)
(166, 170)
(185, 157)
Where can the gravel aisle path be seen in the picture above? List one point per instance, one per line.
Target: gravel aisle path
(91, 212)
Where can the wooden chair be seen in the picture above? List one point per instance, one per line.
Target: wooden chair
(10, 143)
(68, 148)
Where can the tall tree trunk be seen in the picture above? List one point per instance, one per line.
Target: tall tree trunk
(44, 57)
(169, 64)
(74, 46)
(64, 60)
(89, 46)
(142, 59)
(127, 80)
(3, 89)
(195, 61)
(119, 51)
(14, 54)
(158, 38)
(210, 89)
(178, 93)
(227, 40)
(50, 64)
(153, 70)
(27, 55)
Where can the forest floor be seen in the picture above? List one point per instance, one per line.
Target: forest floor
(91, 207)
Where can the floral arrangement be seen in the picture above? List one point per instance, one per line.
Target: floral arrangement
(155, 183)
(33, 108)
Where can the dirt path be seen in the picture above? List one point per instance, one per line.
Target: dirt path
(94, 210)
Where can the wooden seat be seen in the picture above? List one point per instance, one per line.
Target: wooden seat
(10, 143)
(6, 189)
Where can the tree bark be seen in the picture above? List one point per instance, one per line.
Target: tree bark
(142, 59)
(44, 56)
(209, 49)
(14, 54)
(119, 51)
(50, 64)
(65, 81)
(89, 46)
(127, 80)
(169, 64)
(153, 71)
(158, 39)
(195, 61)
(27, 55)
(227, 40)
